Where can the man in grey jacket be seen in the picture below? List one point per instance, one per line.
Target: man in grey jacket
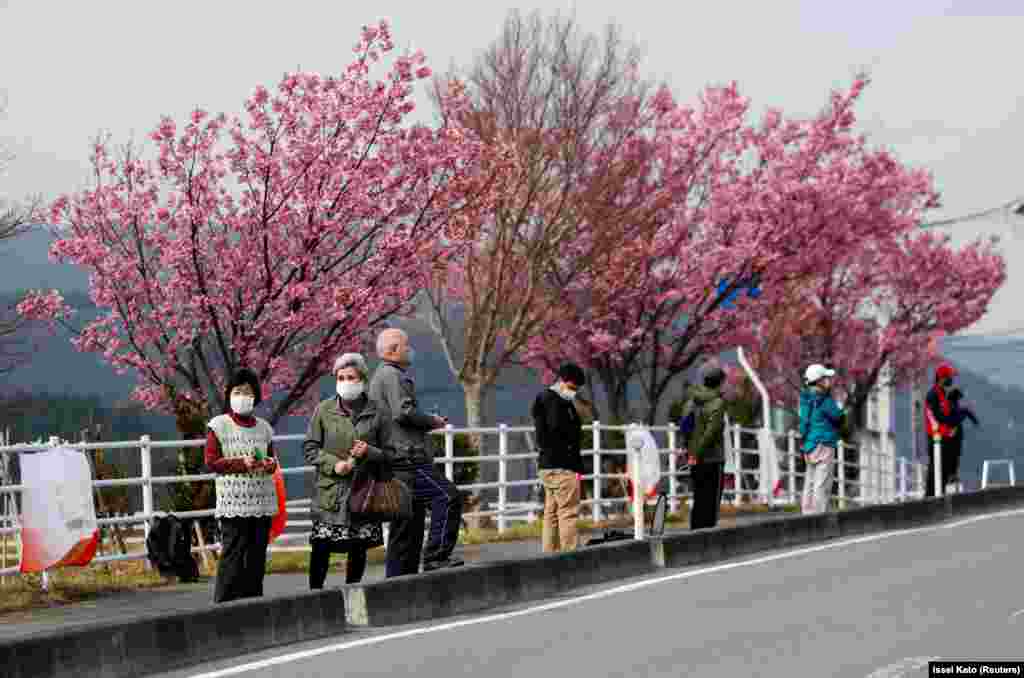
(414, 465)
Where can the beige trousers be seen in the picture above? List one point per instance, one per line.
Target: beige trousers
(561, 509)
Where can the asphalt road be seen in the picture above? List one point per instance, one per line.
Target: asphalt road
(877, 606)
(184, 597)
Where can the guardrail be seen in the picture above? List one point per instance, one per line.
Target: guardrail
(879, 477)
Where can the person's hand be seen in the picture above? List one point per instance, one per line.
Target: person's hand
(343, 468)
(270, 465)
(359, 449)
(251, 465)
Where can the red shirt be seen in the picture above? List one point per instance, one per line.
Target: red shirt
(214, 457)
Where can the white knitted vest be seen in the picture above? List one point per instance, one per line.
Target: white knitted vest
(246, 494)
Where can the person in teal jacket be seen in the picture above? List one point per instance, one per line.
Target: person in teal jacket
(820, 417)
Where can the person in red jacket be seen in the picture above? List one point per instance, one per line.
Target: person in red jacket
(939, 421)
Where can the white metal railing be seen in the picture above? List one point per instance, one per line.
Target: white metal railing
(880, 477)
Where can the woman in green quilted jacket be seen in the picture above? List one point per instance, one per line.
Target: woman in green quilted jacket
(346, 430)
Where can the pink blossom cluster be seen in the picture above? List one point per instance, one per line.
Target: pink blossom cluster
(274, 240)
(824, 222)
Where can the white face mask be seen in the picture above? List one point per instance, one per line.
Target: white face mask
(350, 390)
(242, 404)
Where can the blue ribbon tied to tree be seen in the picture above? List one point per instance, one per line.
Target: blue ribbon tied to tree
(751, 285)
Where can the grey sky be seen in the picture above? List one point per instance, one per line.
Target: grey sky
(946, 92)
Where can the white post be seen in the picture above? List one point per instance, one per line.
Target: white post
(840, 472)
(595, 508)
(502, 476)
(638, 496)
(45, 579)
(984, 474)
(919, 472)
(1013, 475)
(937, 454)
(903, 479)
(880, 463)
(449, 452)
(791, 451)
(673, 482)
(767, 452)
(737, 459)
(147, 486)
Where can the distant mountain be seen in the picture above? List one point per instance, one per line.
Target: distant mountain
(992, 372)
(25, 264)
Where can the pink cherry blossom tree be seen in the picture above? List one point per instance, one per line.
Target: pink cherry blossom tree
(275, 240)
(883, 305)
(570, 105)
(772, 202)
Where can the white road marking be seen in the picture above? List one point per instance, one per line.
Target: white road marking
(607, 593)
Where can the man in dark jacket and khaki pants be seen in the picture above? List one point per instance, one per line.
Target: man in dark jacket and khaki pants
(559, 438)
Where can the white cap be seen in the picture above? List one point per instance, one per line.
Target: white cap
(816, 372)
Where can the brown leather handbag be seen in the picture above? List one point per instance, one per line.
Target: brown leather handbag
(378, 496)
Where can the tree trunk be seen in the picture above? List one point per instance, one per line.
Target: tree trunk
(474, 391)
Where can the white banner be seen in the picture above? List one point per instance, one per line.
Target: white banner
(642, 441)
(58, 515)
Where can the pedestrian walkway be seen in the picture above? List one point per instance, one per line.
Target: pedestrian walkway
(126, 605)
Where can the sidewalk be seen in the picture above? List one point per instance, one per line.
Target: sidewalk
(184, 597)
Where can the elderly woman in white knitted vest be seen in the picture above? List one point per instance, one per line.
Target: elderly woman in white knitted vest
(239, 449)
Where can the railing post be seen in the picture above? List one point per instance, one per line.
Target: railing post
(449, 453)
(840, 472)
(883, 494)
(595, 508)
(791, 463)
(502, 476)
(638, 496)
(44, 582)
(673, 482)
(919, 474)
(1013, 474)
(737, 459)
(147, 485)
(937, 455)
(903, 479)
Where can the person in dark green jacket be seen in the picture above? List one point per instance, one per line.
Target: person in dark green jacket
(346, 430)
(706, 446)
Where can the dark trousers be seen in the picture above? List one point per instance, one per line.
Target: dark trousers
(243, 558)
(320, 562)
(951, 448)
(706, 481)
(431, 491)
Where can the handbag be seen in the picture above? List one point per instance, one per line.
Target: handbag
(378, 496)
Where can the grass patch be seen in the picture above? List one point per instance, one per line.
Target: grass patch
(75, 585)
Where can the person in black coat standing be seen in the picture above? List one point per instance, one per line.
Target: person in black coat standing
(952, 448)
(559, 439)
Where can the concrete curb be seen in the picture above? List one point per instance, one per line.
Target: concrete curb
(463, 590)
(165, 642)
(986, 501)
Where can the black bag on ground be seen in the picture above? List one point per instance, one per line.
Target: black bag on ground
(169, 548)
